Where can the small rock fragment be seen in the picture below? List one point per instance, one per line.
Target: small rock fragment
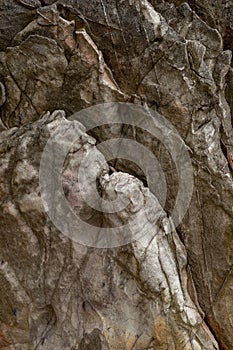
(2, 94)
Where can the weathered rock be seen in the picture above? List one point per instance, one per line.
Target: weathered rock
(173, 57)
(33, 89)
(2, 94)
(64, 67)
(13, 18)
(52, 296)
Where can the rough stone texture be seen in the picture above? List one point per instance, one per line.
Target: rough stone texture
(52, 298)
(66, 55)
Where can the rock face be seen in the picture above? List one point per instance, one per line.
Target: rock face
(172, 290)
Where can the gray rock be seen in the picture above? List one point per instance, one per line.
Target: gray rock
(2, 94)
(175, 58)
(52, 297)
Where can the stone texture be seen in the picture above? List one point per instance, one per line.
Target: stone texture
(51, 297)
(174, 57)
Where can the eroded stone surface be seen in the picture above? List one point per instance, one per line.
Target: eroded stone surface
(135, 296)
(171, 56)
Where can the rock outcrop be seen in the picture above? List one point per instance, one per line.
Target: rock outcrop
(172, 290)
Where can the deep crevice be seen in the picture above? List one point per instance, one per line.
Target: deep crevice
(217, 338)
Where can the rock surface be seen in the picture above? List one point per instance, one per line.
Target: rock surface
(175, 290)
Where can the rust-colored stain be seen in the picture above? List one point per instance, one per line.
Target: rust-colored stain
(3, 341)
